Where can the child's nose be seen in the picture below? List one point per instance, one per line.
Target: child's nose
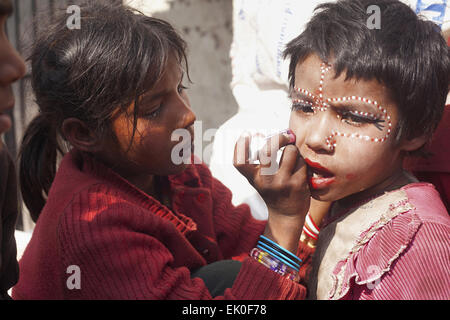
(12, 67)
(188, 117)
(319, 129)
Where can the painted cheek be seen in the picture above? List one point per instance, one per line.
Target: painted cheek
(350, 176)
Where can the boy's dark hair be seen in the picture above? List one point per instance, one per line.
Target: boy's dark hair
(87, 73)
(407, 54)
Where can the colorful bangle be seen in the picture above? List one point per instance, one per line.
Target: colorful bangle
(279, 252)
(273, 251)
(274, 264)
(307, 241)
(310, 228)
(278, 258)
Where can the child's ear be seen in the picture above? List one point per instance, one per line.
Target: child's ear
(80, 135)
(414, 143)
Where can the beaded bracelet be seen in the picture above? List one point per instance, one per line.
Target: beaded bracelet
(274, 264)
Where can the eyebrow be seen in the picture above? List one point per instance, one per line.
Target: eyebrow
(6, 7)
(351, 103)
(294, 94)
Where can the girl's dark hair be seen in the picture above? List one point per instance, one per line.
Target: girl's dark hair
(407, 54)
(115, 56)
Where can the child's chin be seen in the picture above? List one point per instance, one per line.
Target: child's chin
(323, 195)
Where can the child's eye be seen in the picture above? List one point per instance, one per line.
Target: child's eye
(358, 119)
(155, 113)
(302, 106)
(353, 119)
(181, 88)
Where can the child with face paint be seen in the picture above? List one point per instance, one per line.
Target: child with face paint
(362, 99)
(118, 218)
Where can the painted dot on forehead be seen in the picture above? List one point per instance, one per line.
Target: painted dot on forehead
(324, 68)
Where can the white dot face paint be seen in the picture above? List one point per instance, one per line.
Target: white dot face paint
(352, 116)
(343, 130)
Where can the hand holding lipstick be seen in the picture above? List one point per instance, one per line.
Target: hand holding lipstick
(285, 189)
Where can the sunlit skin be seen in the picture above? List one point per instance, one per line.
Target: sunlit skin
(163, 109)
(12, 68)
(360, 169)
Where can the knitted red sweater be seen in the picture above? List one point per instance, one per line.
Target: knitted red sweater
(126, 245)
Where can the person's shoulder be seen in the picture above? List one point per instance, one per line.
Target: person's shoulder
(427, 203)
(82, 186)
(101, 206)
(413, 220)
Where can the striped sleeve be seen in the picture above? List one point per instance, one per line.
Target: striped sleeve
(421, 272)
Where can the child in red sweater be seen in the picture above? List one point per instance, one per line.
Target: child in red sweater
(119, 218)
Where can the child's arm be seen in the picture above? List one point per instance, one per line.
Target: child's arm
(119, 259)
(284, 189)
(237, 231)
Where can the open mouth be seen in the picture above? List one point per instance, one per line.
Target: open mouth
(318, 176)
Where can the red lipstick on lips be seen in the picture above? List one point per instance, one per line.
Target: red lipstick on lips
(318, 176)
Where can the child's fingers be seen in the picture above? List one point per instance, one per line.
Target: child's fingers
(267, 154)
(289, 159)
(300, 175)
(241, 150)
(293, 171)
(241, 157)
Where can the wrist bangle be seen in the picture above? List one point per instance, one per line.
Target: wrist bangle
(310, 228)
(274, 264)
(280, 251)
(308, 241)
(282, 259)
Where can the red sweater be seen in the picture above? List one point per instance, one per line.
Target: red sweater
(129, 246)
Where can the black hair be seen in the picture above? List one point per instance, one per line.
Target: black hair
(406, 53)
(6, 7)
(115, 56)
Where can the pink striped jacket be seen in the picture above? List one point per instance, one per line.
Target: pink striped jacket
(396, 246)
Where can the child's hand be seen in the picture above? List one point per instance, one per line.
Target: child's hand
(285, 191)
